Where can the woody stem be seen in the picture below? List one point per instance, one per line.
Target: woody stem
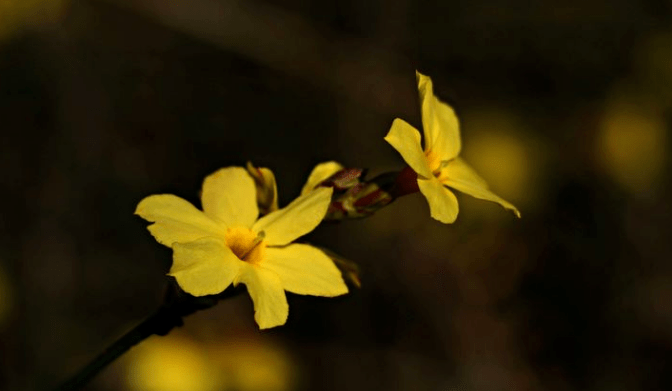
(149, 326)
(177, 304)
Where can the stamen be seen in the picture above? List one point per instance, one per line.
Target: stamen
(257, 241)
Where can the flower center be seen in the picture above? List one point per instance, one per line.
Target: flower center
(246, 244)
(434, 162)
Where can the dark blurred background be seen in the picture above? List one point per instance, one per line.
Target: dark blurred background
(565, 109)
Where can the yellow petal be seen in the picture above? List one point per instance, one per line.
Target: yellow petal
(229, 196)
(439, 122)
(265, 289)
(349, 269)
(176, 220)
(320, 173)
(204, 267)
(305, 270)
(406, 140)
(460, 176)
(442, 202)
(267, 189)
(296, 219)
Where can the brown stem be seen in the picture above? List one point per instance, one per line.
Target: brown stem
(177, 304)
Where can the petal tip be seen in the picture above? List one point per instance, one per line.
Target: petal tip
(190, 289)
(345, 290)
(445, 219)
(340, 291)
(265, 324)
(142, 205)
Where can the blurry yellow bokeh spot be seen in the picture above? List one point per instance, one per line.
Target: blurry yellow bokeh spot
(15, 15)
(172, 363)
(254, 364)
(178, 362)
(495, 144)
(632, 145)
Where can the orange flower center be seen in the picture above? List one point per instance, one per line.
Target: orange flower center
(246, 244)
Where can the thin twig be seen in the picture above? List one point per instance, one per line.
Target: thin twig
(177, 304)
(148, 327)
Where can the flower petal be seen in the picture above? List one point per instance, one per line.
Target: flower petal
(442, 202)
(406, 140)
(460, 176)
(176, 220)
(320, 173)
(229, 196)
(204, 267)
(296, 219)
(439, 122)
(267, 189)
(270, 303)
(305, 270)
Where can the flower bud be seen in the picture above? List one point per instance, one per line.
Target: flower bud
(354, 197)
(267, 191)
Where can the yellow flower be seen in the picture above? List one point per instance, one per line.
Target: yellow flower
(439, 165)
(227, 243)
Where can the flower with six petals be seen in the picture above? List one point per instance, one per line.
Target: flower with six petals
(227, 243)
(439, 165)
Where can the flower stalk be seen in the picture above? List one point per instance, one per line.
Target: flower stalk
(354, 197)
(177, 305)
